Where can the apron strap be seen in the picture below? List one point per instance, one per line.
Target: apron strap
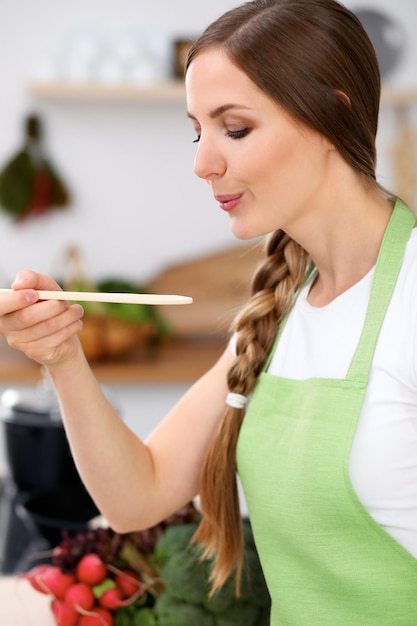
(387, 268)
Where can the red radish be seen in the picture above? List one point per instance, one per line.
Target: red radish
(91, 569)
(34, 576)
(111, 599)
(80, 596)
(54, 579)
(128, 582)
(97, 617)
(64, 614)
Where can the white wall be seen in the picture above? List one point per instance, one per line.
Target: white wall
(137, 206)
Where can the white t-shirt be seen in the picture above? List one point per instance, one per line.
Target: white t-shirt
(320, 342)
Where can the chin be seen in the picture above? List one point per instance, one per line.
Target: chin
(245, 232)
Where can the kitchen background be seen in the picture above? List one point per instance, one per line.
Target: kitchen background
(136, 206)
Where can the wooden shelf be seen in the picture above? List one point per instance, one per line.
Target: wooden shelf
(170, 91)
(174, 362)
(399, 97)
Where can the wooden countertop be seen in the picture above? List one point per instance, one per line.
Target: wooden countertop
(175, 361)
(20, 605)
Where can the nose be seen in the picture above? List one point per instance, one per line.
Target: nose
(209, 163)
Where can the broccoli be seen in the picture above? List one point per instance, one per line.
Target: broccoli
(185, 576)
(223, 599)
(144, 617)
(176, 538)
(240, 613)
(187, 599)
(173, 612)
(130, 616)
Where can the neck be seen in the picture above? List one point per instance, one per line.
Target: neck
(343, 238)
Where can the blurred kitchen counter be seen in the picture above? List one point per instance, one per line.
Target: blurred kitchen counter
(173, 361)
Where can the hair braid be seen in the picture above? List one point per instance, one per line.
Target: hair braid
(273, 289)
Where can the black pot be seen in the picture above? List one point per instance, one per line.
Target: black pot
(37, 449)
(49, 512)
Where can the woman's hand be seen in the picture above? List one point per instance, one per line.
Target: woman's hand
(44, 330)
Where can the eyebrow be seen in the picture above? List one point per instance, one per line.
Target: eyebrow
(219, 111)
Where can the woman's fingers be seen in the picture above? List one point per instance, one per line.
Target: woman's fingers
(12, 301)
(26, 279)
(45, 340)
(43, 330)
(43, 319)
(23, 293)
(48, 348)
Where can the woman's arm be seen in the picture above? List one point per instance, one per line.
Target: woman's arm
(135, 484)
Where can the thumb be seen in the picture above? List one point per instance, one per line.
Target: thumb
(27, 279)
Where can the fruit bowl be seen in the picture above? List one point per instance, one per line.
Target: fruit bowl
(109, 338)
(111, 330)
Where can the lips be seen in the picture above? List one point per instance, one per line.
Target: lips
(228, 202)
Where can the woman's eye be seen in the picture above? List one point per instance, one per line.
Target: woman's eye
(238, 134)
(233, 134)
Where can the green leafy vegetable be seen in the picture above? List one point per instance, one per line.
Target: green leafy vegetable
(187, 597)
(172, 612)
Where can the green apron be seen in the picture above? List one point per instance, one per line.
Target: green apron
(326, 561)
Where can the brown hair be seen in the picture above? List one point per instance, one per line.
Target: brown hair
(315, 60)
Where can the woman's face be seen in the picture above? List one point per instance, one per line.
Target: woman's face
(265, 169)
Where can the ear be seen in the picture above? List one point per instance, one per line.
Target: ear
(343, 97)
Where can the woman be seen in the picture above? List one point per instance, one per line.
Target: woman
(284, 96)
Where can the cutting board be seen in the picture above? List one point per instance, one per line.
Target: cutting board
(219, 284)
